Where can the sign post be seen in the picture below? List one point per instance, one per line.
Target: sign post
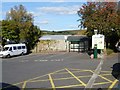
(97, 43)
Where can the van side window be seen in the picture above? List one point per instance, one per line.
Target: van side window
(10, 49)
(19, 47)
(14, 48)
(23, 47)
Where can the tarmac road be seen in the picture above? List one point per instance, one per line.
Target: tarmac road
(57, 70)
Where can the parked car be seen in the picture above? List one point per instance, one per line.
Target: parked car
(13, 49)
(118, 46)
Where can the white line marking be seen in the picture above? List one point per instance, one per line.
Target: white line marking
(56, 60)
(95, 75)
(24, 61)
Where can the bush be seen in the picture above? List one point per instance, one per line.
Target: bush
(109, 51)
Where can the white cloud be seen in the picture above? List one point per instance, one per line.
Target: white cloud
(41, 22)
(2, 15)
(44, 22)
(35, 14)
(60, 10)
(73, 26)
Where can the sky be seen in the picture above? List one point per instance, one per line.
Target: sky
(52, 16)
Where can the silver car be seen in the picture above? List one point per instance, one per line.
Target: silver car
(118, 46)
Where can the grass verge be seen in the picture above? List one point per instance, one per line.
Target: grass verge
(109, 51)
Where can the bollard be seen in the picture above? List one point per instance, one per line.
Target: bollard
(95, 51)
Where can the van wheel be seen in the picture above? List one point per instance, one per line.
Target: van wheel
(8, 56)
(22, 54)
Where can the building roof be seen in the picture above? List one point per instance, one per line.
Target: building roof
(54, 37)
(77, 38)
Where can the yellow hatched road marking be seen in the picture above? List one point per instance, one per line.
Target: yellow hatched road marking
(73, 72)
(106, 71)
(44, 75)
(69, 78)
(105, 74)
(69, 86)
(84, 76)
(37, 77)
(51, 81)
(67, 72)
(101, 83)
(103, 77)
(78, 69)
(24, 85)
(57, 71)
(60, 79)
(102, 71)
(113, 84)
(76, 77)
(39, 80)
(63, 72)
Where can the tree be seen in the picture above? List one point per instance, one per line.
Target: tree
(102, 16)
(10, 30)
(19, 27)
(19, 14)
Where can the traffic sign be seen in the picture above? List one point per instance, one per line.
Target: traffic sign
(99, 40)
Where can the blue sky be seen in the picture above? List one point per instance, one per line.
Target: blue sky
(53, 16)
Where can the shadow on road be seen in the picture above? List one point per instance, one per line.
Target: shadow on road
(116, 71)
(6, 86)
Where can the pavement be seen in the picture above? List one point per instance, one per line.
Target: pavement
(58, 70)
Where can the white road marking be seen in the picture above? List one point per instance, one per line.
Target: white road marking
(24, 60)
(95, 75)
(53, 60)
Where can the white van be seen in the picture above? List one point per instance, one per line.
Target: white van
(13, 49)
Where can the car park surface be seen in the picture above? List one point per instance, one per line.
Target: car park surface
(57, 70)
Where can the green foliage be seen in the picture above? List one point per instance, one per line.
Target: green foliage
(67, 32)
(109, 51)
(19, 14)
(103, 16)
(19, 27)
(10, 30)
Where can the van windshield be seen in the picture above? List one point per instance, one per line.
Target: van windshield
(5, 48)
